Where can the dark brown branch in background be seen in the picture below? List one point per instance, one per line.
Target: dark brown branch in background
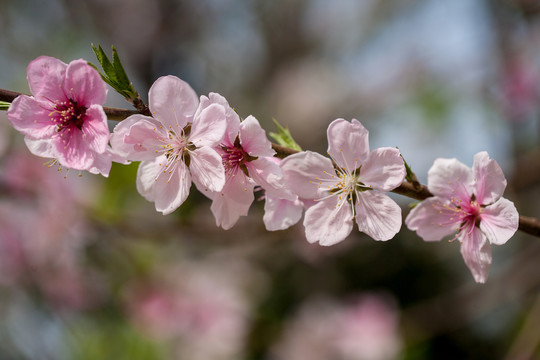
(413, 189)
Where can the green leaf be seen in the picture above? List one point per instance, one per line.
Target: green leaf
(283, 137)
(114, 73)
(4, 105)
(410, 176)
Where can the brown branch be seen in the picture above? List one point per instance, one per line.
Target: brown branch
(413, 189)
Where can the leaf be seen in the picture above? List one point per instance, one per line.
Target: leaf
(114, 73)
(4, 105)
(283, 137)
(410, 176)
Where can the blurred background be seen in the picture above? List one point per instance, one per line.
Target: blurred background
(89, 270)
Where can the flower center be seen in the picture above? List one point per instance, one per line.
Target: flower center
(68, 115)
(234, 158)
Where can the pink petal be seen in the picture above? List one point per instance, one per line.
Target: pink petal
(74, 151)
(432, 221)
(490, 180)
(46, 77)
(208, 128)
(253, 138)
(280, 214)
(476, 252)
(31, 117)
(377, 215)
(348, 143)
(168, 191)
(232, 118)
(95, 129)
(206, 166)
(173, 102)
(449, 178)
(328, 223)
(268, 175)
(499, 221)
(83, 84)
(103, 163)
(303, 172)
(139, 138)
(43, 147)
(383, 169)
(233, 201)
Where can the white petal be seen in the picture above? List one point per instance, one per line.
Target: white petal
(139, 138)
(449, 178)
(476, 252)
(233, 201)
(328, 222)
(253, 138)
(173, 102)
(384, 169)
(268, 175)
(489, 177)
(209, 127)
(206, 166)
(307, 174)
(377, 215)
(432, 221)
(280, 214)
(348, 143)
(499, 221)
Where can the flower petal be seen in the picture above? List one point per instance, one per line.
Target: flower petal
(84, 84)
(173, 102)
(431, 221)
(233, 201)
(253, 138)
(209, 127)
(476, 252)
(268, 175)
(499, 221)
(489, 177)
(303, 172)
(168, 191)
(348, 143)
(95, 129)
(449, 178)
(74, 151)
(46, 77)
(384, 169)
(280, 214)
(43, 147)
(328, 222)
(377, 215)
(31, 117)
(206, 166)
(232, 118)
(139, 138)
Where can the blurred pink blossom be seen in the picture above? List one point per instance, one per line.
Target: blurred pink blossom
(365, 328)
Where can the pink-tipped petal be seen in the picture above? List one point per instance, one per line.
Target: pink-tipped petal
(303, 174)
(384, 169)
(206, 166)
(377, 215)
(31, 117)
(139, 138)
(173, 102)
(500, 221)
(46, 78)
(348, 143)
(84, 84)
(449, 178)
(268, 175)
(490, 180)
(431, 221)
(476, 252)
(253, 138)
(280, 214)
(209, 126)
(43, 148)
(328, 222)
(95, 129)
(103, 163)
(74, 151)
(233, 201)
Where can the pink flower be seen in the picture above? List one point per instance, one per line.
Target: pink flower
(349, 187)
(175, 146)
(468, 202)
(246, 156)
(65, 111)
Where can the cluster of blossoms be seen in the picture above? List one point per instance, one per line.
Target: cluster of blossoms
(203, 140)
